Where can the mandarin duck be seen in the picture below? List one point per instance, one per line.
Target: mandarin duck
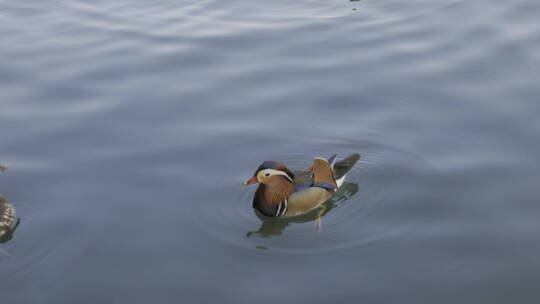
(283, 193)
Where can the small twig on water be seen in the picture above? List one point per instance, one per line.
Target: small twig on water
(3, 252)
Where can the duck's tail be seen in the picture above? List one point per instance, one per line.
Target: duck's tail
(343, 166)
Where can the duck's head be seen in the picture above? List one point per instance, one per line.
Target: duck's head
(268, 169)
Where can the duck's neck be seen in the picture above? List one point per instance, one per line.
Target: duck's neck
(277, 190)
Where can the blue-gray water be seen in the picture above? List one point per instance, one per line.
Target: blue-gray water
(128, 127)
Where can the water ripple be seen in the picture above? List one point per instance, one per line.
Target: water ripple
(368, 185)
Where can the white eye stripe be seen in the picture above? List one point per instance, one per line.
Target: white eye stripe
(287, 176)
(269, 172)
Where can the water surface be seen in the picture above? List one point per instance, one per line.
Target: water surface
(129, 126)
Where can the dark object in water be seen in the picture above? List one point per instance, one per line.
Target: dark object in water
(7, 217)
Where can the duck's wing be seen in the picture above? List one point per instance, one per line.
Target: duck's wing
(322, 174)
(303, 179)
(312, 196)
(316, 184)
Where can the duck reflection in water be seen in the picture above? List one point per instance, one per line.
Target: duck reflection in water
(271, 226)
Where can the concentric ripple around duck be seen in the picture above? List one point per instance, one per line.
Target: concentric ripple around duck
(365, 191)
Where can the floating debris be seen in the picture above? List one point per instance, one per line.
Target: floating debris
(7, 227)
(7, 216)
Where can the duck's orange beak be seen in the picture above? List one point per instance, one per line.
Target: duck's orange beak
(251, 181)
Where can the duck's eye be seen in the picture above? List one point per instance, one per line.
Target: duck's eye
(267, 174)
